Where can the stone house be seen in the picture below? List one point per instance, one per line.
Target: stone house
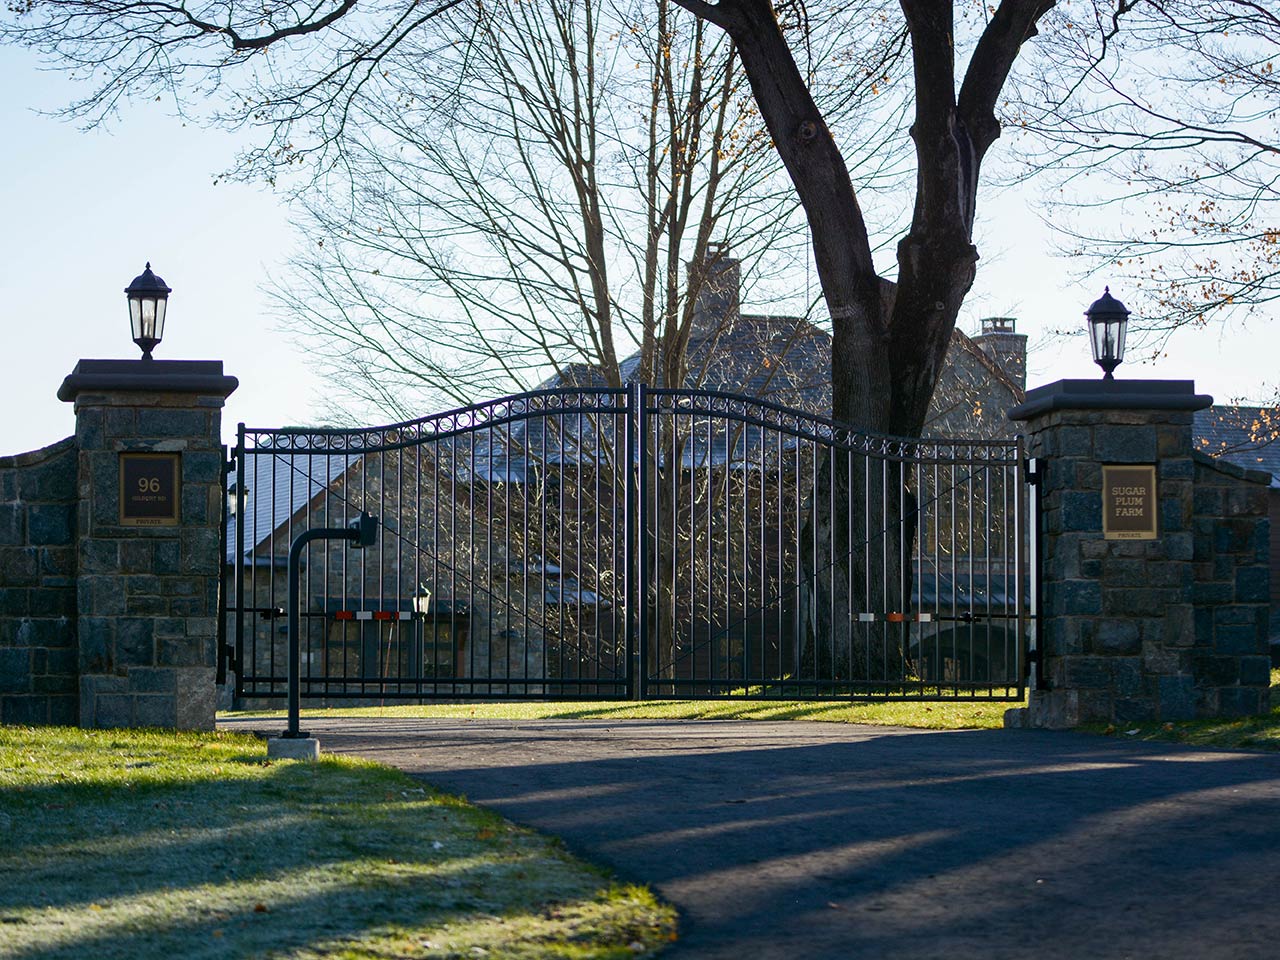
(502, 550)
(787, 360)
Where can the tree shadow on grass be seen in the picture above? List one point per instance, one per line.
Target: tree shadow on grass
(289, 859)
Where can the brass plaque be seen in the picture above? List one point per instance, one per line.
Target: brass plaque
(150, 489)
(1129, 503)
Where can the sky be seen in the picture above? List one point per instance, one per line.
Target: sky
(85, 210)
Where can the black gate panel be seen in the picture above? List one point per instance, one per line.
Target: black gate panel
(608, 544)
(790, 558)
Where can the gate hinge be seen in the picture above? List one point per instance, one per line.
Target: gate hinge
(1035, 669)
(226, 655)
(1034, 468)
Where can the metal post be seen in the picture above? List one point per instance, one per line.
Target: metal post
(224, 648)
(361, 533)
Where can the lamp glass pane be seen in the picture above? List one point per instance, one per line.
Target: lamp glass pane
(148, 316)
(161, 303)
(135, 317)
(1097, 339)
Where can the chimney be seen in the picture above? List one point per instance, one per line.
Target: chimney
(715, 291)
(1001, 342)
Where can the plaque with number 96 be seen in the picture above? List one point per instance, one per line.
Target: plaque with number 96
(149, 489)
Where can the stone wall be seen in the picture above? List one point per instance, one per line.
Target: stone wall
(1232, 589)
(1118, 615)
(38, 676)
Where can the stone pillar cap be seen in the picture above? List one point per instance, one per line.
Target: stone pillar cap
(147, 376)
(1111, 395)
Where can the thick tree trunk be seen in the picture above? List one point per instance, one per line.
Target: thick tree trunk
(860, 362)
(669, 536)
(888, 345)
(887, 351)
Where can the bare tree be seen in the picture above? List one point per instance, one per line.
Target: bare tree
(1167, 109)
(889, 339)
(299, 72)
(525, 204)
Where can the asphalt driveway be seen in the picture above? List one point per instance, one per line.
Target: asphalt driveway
(812, 840)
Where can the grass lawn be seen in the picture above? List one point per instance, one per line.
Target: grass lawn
(952, 715)
(1262, 732)
(147, 844)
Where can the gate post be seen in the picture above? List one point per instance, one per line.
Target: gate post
(148, 564)
(1129, 538)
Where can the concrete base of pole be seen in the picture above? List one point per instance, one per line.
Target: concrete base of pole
(1015, 718)
(299, 748)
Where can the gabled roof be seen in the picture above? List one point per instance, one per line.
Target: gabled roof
(783, 359)
(1249, 437)
(970, 346)
(278, 488)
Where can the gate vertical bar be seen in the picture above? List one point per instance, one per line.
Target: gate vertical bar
(240, 500)
(1033, 475)
(224, 648)
(630, 424)
(640, 521)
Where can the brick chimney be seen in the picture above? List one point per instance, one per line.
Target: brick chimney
(1001, 342)
(714, 286)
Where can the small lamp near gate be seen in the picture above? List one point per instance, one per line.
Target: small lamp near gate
(148, 297)
(1108, 321)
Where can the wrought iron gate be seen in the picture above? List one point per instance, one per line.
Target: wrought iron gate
(600, 543)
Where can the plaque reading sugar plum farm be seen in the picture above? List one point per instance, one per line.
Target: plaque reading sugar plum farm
(149, 489)
(1129, 503)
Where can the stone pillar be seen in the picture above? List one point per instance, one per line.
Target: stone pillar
(147, 589)
(1125, 633)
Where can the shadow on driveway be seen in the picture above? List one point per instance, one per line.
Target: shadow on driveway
(812, 840)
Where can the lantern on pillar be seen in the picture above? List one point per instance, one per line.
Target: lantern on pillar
(1108, 321)
(148, 296)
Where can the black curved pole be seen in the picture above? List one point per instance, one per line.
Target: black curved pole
(362, 532)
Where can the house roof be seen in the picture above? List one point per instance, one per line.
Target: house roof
(784, 359)
(1249, 437)
(279, 486)
(970, 346)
